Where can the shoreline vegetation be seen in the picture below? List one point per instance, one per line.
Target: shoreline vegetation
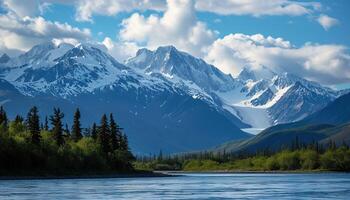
(301, 158)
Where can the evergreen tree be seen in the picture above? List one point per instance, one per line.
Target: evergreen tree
(94, 131)
(86, 131)
(76, 128)
(66, 130)
(46, 125)
(115, 133)
(33, 125)
(104, 134)
(124, 144)
(57, 130)
(18, 119)
(3, 117)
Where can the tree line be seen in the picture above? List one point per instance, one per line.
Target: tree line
(297, 156)
(28, 145)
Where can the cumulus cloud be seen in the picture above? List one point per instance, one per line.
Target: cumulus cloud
(87, 8)
(327, 22)
(257, 8)
(120, 50)
(177, 26)
(327, 64)
(22, 33)
(29, 8)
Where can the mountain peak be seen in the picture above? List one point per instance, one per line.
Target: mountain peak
(143, 51)
(246, 74)
(167, 48)
(170, 62)
(4, 58)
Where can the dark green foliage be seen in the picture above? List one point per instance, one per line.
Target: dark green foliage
(46, 125)
(76, 128)
(66, 131)
(33, 125)
(124, 144)
(18, 119)
(94, 131)
(115, 133)
(22, 155)
(104, 135)
(3, 117)
(57, 130)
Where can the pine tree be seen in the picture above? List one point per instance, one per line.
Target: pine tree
(103, 134)
(66, 130)
(18, 119)
(3, 117)
(33, 125)
(94, 131)
(46, 125)
(57, 130)
(124, 144)
(115, 133)
(76, 128)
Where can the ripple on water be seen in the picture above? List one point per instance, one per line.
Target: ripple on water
(189, 186)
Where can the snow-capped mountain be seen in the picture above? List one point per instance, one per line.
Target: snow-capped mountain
(179, 67)
(62, 70)
(259, 97)
(156, 113)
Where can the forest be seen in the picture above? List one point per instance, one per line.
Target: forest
(31, 147)
(311, 157)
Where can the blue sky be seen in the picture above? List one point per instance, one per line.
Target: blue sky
(298, 29)
(284, 35)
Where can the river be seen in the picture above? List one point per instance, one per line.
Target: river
(186, 186)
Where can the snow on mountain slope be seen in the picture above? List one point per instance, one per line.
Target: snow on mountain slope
(63, 70)
(254, 96)
(173, 64)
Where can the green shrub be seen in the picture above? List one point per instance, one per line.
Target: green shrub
(309, 159)
(288, 160)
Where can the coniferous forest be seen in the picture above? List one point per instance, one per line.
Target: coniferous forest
(29, 146)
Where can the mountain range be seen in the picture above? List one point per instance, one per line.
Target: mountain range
(165, 99)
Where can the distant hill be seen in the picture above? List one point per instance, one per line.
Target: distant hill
(330, 123)
(276, 140)
(336, 112)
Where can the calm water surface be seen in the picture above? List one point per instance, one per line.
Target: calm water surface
(188, 186)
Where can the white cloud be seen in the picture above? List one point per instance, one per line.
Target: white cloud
(178, 26)
(120, 50)
(257, 8)
(21, 8)
(327, 22)
(22, 33)
(87, 8)
(327, 64)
